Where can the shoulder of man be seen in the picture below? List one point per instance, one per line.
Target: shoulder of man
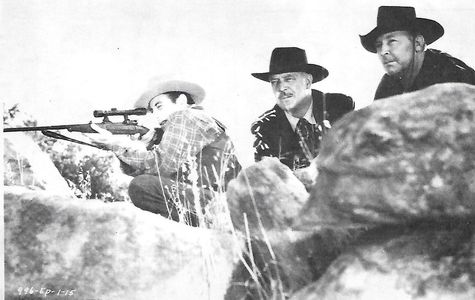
(266, 120)
(444, 57)
(266, 131)
(336, 104)
(340, 101)
(456, 65)
(195, 117)
(190, 113)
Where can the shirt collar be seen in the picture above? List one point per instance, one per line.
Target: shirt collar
(308, 116)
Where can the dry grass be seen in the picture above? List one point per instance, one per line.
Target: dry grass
(214, 215)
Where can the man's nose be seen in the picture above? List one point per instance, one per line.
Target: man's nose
(282, 86)
(384, 49)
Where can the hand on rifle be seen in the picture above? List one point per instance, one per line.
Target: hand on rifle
(108, 141)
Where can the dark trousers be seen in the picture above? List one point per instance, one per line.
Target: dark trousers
(167, 197)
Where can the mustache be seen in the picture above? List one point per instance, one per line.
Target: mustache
(284, 94)
(386, 59)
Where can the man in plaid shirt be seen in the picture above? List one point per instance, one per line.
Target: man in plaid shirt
(188, 156)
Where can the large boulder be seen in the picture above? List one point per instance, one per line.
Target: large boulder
(402, 159)
(424, 262)
(265, 196)
(108, 251)
(264, 201)
(26, 165)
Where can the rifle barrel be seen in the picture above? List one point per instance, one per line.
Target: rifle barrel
(36, 128)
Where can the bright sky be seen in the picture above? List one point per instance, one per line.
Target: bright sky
(62, 59)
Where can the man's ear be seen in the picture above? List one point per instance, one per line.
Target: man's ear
(419, 43)
(309, 78)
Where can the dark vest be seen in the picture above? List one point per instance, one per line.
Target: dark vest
(217, 163)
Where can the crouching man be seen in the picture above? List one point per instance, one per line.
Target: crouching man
(185, 156)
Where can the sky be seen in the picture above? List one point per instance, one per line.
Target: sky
(62, 59)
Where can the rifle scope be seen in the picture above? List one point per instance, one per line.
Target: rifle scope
(114, 112)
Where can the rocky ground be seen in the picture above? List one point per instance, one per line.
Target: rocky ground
(108, 251)
(390, 215)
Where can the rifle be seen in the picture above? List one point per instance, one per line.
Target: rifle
(128, 127)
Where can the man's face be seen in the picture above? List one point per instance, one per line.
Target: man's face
(162, 107)
(291, 90)
(396, 51)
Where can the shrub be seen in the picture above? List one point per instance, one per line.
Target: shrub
(91, 173)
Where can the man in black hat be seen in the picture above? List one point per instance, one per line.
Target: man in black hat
(400, 41)
(293, 129)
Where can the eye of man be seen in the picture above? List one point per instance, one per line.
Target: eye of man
(155, 105)
(289, 78)
(391, 41)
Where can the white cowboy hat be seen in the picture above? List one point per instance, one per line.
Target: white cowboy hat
(196, 92)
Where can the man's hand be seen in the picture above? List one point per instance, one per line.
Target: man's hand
(106, 140)
(308, 175)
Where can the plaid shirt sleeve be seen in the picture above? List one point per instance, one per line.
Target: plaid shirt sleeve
(186, 133)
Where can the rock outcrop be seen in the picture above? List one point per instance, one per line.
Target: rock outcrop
(405, 167)
(264, 201)
(268, 194)
(418, 263)
(26, 165)
(109, 251)
(391, 215)
(402, 159)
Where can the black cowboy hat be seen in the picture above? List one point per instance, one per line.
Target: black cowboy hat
(291, 59)
(395, 18)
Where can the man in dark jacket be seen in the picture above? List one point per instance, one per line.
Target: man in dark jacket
(400, 40)
(293, 129)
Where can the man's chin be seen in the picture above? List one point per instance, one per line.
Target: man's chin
(392, 70)
(287, 108)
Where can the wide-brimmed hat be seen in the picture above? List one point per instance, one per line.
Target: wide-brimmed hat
(395, 18)
(196, 92)
(291, 59)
